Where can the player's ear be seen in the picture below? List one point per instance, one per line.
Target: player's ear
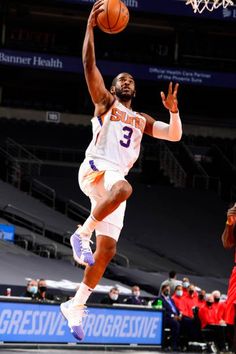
(112, 90)
(134, 94)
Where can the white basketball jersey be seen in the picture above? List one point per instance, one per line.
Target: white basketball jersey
(116, 139)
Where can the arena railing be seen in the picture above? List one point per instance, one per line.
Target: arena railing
(49, 153)
(17, 215)
(28, 161)
(172, 167)
(13, 170)
(76, 210)
(39, 188)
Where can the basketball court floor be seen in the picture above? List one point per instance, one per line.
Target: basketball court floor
(70, 351)
(63, 351)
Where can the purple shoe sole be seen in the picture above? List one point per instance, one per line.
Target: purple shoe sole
(78, 254)
(77, 332)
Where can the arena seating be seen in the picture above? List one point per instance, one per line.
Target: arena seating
(62, 277)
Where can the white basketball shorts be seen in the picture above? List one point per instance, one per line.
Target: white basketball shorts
(94, 184)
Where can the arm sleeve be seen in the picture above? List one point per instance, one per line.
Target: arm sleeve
(171, 131)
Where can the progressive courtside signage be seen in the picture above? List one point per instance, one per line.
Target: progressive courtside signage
(41, 323)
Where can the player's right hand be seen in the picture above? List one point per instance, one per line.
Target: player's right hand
(97, 8)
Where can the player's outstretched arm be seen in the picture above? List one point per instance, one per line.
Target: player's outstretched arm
(100, 96)
(161, 130)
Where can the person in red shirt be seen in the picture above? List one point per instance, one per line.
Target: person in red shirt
(201, 298)
(208, 318)
(229, 241)
(207, 313)
(191, 301)
(178, 299)
(219, 306)
(189, 326)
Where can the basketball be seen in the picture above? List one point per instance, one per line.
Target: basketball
(114, 18)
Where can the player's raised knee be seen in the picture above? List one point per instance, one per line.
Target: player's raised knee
(126, 189)
(123, 190)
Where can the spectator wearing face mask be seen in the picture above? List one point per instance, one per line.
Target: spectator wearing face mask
(219, 306)
(135, 298)
(185, 284)
(207, 313)
(201, 298)
(189, 327)
(31, 289)
(43, 294)
(208, 318)
(191, 301)
(178, 299)
(112, 297)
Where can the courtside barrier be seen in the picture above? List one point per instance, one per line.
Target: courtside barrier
(43, 323)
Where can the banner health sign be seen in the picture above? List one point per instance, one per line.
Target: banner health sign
(139, 71)
(20, 322)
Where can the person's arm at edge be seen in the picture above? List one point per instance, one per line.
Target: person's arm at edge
(228, 236)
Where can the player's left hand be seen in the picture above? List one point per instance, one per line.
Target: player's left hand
(170, 102)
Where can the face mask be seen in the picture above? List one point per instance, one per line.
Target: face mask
(114, 296)
(209, 303)
(136, 293)
(186, 284)
(216, 299)
(43, 288)
(179, 292)
(166, 293)
(201, 297)
(191, 292)
(32, 289)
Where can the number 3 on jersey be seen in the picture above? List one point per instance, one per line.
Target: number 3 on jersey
(125, 142)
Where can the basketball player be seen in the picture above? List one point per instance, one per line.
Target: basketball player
(117, 134)
(229, 241)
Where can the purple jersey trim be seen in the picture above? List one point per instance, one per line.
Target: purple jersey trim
(100, 120)
(92, 165)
